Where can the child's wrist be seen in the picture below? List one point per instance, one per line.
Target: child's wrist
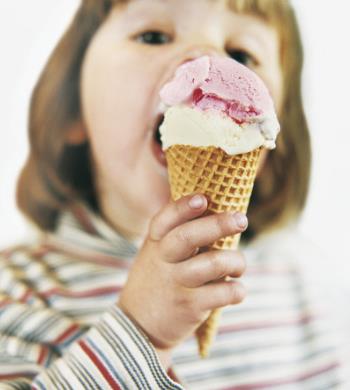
(164, 354)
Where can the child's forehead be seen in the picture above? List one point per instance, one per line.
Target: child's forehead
(228, 3)
(266, 9)
(271, 13)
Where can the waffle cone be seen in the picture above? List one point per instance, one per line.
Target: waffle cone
(227, 181)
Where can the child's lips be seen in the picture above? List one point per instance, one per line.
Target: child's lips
(156, 145)
(158, 153)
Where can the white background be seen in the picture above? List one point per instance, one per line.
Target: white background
(30, 29)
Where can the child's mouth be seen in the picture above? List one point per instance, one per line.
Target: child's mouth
(157, 132)
(156, 142)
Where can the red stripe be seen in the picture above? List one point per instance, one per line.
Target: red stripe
(87, 255)
(28, 250)
(172, 375)
(66, 334)
(83, 217)
(81, 294)
(261, 325)
(42, 355)
(17, 375)
(300, 378)
(99, 365)
(39, 252)
(6, 253)
(28, 294)
(5, 302)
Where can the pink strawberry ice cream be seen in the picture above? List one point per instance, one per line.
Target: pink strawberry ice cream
(215, 101)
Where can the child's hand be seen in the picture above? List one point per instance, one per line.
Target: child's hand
(167, 292)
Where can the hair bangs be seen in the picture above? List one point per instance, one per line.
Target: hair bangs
(269, 10)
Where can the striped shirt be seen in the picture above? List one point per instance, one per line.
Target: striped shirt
(61, 329)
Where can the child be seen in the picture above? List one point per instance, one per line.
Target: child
(111, 294)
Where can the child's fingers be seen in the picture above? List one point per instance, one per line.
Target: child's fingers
(176, 213)
(210, 266)
(214, 295)
(182, 242)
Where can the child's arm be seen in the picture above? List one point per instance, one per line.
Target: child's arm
(45, 348)
(116, 352)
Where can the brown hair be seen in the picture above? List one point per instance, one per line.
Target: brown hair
(56, 174)
(280, 191)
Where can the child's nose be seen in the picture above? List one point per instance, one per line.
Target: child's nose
(209, 40)
(203, 50)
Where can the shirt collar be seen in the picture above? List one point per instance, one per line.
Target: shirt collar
(80, 227)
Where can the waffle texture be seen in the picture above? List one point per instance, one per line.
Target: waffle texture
(227, 181)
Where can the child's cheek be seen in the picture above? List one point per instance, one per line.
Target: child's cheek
(119, 94)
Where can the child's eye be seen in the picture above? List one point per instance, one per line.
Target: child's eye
(153, 38)
(242, 56)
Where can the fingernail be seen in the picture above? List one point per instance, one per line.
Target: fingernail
(196, 202)
(241, 220)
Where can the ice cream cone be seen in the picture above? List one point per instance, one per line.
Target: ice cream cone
(227, 181)
(218, 117)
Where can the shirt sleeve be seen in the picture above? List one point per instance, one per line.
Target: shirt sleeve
(44, 348)
(114, 354)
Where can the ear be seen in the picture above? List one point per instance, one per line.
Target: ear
(76, 134)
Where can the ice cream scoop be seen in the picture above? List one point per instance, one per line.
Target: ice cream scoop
(216, 101)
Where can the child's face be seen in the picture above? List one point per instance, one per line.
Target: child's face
(130, 58)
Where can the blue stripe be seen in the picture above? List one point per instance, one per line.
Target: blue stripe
(146, 349)
(77, 367)
(191, 356)
(38, 384)
(60, 376)
(118, 344)
(108, 364)
(237, 369)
